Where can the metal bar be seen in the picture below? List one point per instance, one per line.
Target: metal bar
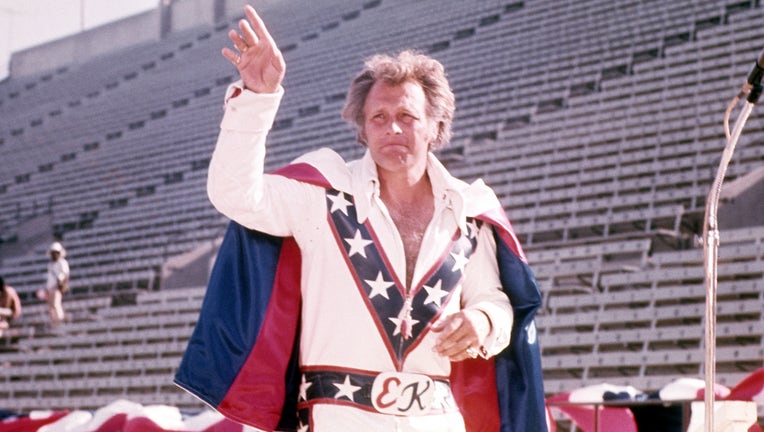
(710, 249)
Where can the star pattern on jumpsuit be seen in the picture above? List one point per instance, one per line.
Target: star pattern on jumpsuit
(460, 260)
(339, 203)
(346, 389)
(357, 244)
(435, 294)
(399, 316)
(379, 286)
(304, 386)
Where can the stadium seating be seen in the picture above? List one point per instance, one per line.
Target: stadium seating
(125, 347)
(597, 123)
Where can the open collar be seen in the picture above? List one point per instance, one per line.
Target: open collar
(446, 188)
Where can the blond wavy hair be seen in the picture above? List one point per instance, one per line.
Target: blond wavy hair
(408, 65)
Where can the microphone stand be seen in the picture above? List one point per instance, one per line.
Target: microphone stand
(711, 234)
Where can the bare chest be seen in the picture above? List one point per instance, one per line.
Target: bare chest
(411, 223)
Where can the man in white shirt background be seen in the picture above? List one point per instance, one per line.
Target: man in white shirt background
(57, 282)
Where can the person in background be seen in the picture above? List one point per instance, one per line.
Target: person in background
(57, 282)
(10, 305)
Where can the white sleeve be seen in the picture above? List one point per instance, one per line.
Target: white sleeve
(481, 290)
(236, 183)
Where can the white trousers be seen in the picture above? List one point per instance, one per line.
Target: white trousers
(55, 308)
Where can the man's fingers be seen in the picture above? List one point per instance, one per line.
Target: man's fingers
(448, 324)
(453, 338)
(238, 41)
(255, 54)
(457, 351)
(231, 56)
(452, 347)
(438, 326)
(258, 26)
(248, 35)
(457, 336)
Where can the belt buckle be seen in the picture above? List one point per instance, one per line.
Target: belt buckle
(401, 393)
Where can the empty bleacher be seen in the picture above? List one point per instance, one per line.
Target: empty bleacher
(598, 124)
(126, 346)
(646, 321)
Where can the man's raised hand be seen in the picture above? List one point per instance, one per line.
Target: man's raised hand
(258, 60)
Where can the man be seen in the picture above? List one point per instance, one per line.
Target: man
(57, 282)
(10, 305)
(397, 277)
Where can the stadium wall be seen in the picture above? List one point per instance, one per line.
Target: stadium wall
(83, 47)
(150, 26)
(188, 14)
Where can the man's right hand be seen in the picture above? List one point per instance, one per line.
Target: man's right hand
(258, 60)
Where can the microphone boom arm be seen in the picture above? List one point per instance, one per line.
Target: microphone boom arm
(753, 89)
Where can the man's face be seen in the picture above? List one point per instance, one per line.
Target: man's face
(54, 255)
(396, 128)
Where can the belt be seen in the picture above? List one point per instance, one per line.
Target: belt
(396, 393)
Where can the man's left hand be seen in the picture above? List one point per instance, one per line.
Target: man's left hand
(462, 334)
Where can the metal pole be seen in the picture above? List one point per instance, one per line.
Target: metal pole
(710, 249)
